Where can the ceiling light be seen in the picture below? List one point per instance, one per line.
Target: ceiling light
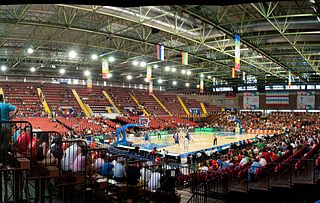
(201, 75)
(129, 77)
(173, 70)
(53, 66)
(135, 63)
(167, 68)
(188, 72)
(111, 59)
(3, 68)
(143, 64)
(155, 66)
(109, 75)
(160, 81)
(87, 73)
(94, 56)
(312, 1)
(72, 54)
(146, 79)
(62, 71)
(30, 50)
(209, 76)
(187, 84)
(183, 71)
(32, 69)
(174, 82)
(198, 86)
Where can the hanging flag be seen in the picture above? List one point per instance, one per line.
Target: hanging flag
(185, 58)
(201, 85)
(89, 84)
(105, 68)
(160, 52)
(244, 76)
(233, 73)
(237, 52)
(289, 79)
(150, 87)
(149, 73)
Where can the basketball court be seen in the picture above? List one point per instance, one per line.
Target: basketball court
(201, 141)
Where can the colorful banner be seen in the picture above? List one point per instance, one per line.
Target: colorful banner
(185, 58)
(105, 68)
(160, 52)
(150, 87)
(89, 84)
(306, 100)
(276, 98)
(251, 100)
(149, 73)
(237, 52)
(289, 79)
(201, 85)
(233, 73)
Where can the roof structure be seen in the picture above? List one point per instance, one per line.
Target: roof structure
(275, 37)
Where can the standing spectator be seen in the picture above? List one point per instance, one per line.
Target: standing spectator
(5, 109)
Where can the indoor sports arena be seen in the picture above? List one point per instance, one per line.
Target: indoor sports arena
(142, 103)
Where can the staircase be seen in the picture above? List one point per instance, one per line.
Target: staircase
(137, 102)
(111, 102)
(161, 104)
(44, 102)
(84, 109)
(183, 106)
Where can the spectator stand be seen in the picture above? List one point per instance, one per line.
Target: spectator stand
(73, 168)
(44, 169)
(15, 160)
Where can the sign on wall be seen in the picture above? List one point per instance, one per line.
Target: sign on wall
(276, 98)
(251, 100)
(306, 100)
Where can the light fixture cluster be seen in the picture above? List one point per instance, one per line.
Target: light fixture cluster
(141, 63)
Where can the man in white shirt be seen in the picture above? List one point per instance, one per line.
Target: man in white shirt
(262, 162)
(154, 182)
(119, 172)
(69, 156)
(145, 175)
(243, 161)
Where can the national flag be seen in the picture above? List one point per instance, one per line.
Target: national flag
(89, 84)
(105, 68)
(160, 52)
(237, 52)
(185, 58)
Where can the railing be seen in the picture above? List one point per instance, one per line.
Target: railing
(213, 189)
(238, 180)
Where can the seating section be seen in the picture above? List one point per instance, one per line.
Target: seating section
(25, 97)
(171, 102)
(60, 96)
(191, 104)
(150, 104)
(45, 124)
(122, 99)
(95, 99)
(79, 125)
(176, 121)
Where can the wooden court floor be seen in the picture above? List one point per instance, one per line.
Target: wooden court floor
(201, 140)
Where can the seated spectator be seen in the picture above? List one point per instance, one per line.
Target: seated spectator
(253, 169)
(107, 169)
(119, 171)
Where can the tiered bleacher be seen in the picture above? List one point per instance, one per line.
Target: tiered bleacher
(25, 97)
(95, 99)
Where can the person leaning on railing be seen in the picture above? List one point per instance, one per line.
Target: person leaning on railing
(5, 109)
